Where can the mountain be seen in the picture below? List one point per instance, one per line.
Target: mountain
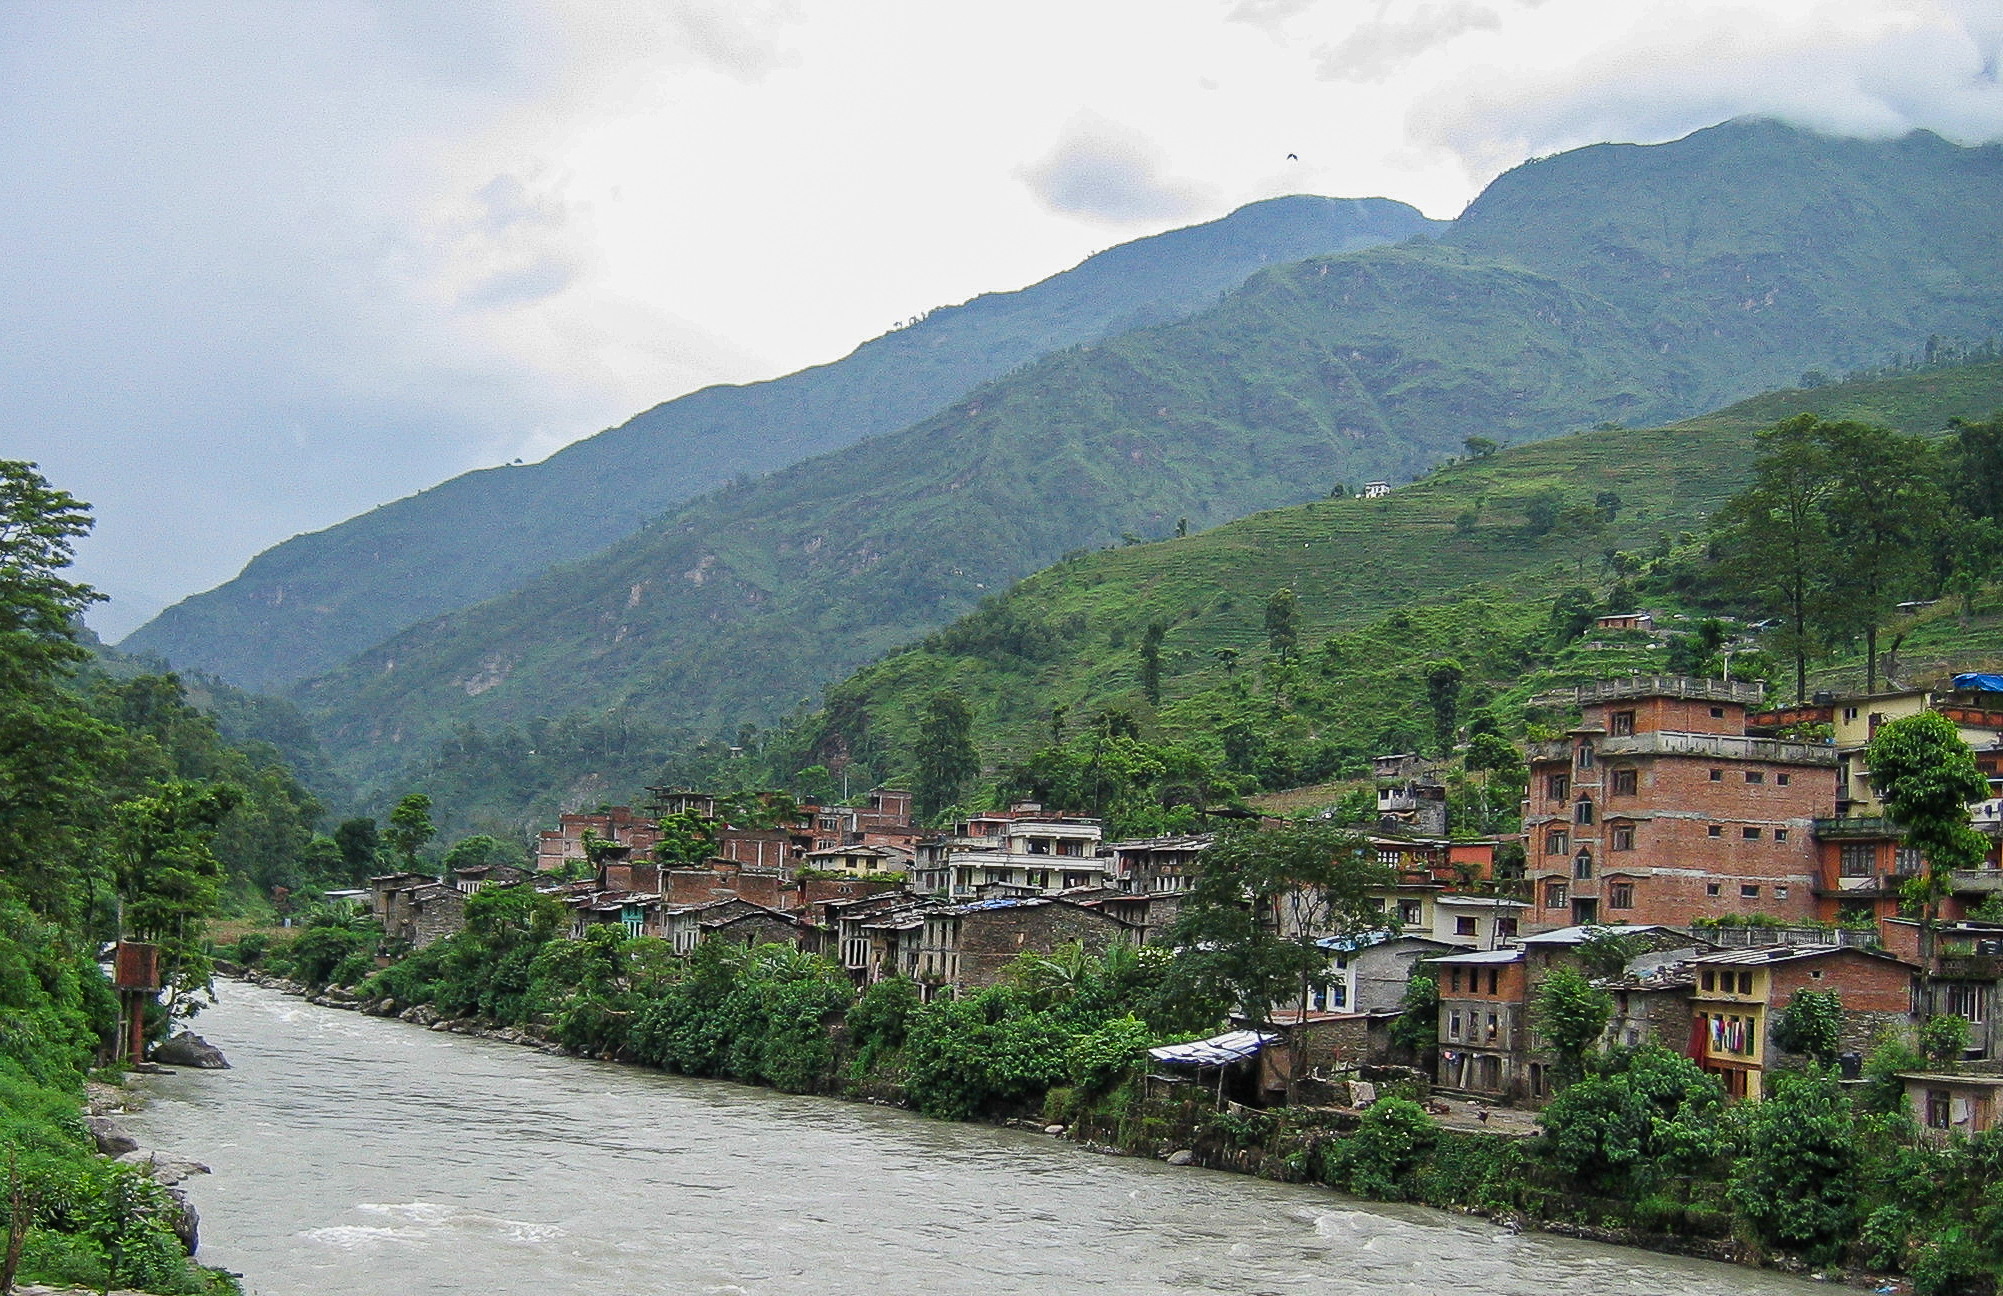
(1449, 566)
(308, 604)
(1618, 284)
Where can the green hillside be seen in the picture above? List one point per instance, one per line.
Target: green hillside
(1384, 587)
(310, 603)
(1634, 307)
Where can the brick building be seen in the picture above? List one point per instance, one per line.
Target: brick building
(1659, 808)
(564, 844)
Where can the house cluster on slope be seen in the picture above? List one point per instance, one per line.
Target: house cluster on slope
(1747, 861)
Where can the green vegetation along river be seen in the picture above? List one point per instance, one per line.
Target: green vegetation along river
(356, 1154)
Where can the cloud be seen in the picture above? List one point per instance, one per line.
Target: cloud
(1104, 171)
(1846, 68)
(1374, 50)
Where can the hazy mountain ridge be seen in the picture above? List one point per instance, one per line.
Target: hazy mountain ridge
(307, 604)
(1534, 315)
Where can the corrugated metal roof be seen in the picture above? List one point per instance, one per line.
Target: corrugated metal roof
(1218, 1050)
(1580, 935)
(1480, 956)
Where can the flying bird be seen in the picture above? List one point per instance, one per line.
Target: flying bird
(1293, 157)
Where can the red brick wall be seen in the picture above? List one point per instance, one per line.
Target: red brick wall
(1678, 715)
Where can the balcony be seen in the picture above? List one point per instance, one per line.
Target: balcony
(1721, 746)
(1976, 881)
(1646, 686)
(1858, 828)
(1970, 967)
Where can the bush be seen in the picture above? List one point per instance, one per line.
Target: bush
(1377, 1160)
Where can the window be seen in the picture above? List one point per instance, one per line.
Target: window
(1626, 782)
(1463, 925)
(1454, 980)
(1715, 830)
(1939, 1109)
(1717, 713)
(1388, 857)
(1620, 895)
(1750, 834)
(1409, 913)
(1712, 889)
(1582, 866)
(1966, 1001)
(1906, 860)
(1623, 836)
(1621, 724)
(1558, 786)
(1493, 974)
(1849, 713)
(1494, 1025)
(1745, 983)
(1780, 893)
(1783, 779)
(1780, 834)
(1750, 890)
(1582, 813)
(1453, 1026)
(1505, 926)
(1710, 979)
(1858, 860)
(1756, 776)
(1585, 755)
(1559, 842)
(1717, 776)
(1557, 895)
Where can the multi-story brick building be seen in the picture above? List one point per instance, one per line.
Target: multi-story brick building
(617, 825)
(1024, 850)
(1659, 808)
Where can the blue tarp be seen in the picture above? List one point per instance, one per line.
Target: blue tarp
(1978, 683)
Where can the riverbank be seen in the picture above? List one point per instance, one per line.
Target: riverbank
(1286, 1146)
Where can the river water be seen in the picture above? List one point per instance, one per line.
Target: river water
(355, 1154)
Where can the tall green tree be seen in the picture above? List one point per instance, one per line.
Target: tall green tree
(51, 749)
(1151, 661)
(1443, 697)
(1795, 1180)
(169, 879)
(1572, 1013)
(1885, 506)
(945, 753)
(1283, 624)
(410, 827)
(1264, 897)
(1773, 540)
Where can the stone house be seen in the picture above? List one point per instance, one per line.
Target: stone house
(427, 913)
(1484, 1025)
(1738, 994)
(1944, 1104)
(1368, 972)
(971, 946)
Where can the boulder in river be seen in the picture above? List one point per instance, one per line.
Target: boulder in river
(165, 1170)
(112, 1140)
(190, 1050)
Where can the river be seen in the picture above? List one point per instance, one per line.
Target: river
(355, 1154)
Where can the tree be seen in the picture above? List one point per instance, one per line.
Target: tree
(1811, 1024)
(1975, 467)
(1795, 1179)
(945, 752)
(1250, 924)
(1571, 613)
(1417, 1026)
(686, 838)
(1773, 539)
(1151, 661)
(1479, 447)
(52, 751)
(1443, 695)
(410, 827)
(1283, 624)
(1540, 511)
(169, 879)
(358, 841)
(1884, 505)
(1228, 659)
(479, 850)
(1572, 1013)
(1927, 777)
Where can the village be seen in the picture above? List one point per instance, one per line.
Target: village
(1734, 854)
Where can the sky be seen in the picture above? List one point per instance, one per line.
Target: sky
(264, 266)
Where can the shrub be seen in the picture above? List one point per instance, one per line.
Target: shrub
(1377, 1160)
